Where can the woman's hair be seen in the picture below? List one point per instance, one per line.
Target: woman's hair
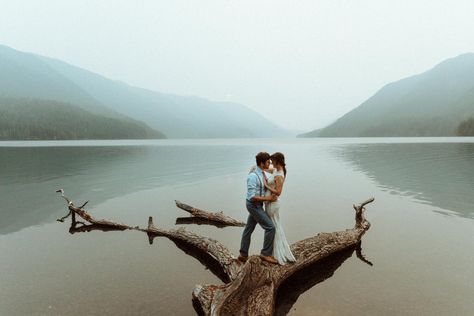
(279, 158)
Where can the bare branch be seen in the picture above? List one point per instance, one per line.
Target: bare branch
(64, 217)
(210, 216)
(205, 245)
(87, 217)
(83, 205)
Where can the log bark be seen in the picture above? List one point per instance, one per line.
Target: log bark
(250, 288)
(202, 245)
(212, 217)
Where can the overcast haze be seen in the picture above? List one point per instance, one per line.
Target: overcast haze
(300, 63)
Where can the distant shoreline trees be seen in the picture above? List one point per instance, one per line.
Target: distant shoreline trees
(37, 119)
(466, 128)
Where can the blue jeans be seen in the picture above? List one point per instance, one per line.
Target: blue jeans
(257, 215)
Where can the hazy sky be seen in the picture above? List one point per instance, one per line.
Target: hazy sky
(300, 63)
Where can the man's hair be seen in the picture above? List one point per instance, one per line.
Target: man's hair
(262, 157)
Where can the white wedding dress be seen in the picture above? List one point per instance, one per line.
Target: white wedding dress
(281, 249)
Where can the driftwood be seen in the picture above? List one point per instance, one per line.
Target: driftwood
(205, 217)
(204, 245)
(101, 223)
(252, 288)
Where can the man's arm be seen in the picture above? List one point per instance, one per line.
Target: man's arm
(253, 190)
(270, 198)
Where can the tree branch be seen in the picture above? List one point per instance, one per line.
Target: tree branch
(205, 245)
(218, 217)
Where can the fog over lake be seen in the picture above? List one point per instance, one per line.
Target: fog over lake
(420, 241)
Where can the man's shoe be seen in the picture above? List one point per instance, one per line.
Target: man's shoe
(269, 259)
(242, 258)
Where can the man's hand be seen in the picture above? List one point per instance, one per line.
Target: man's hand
(273, 198)
(270, 198)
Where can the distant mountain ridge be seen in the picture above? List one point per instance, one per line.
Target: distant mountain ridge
(433, 103)
(29, 75)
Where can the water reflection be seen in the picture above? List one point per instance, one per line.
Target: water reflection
(30, 175)
(305, 279)
(439, 174)
(79, 227)
(199, 221)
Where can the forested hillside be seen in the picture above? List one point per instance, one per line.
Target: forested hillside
(33, 76)
(33, 119)
(432, 103)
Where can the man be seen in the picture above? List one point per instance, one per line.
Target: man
(255, 198)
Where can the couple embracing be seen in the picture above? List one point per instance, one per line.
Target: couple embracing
(264, 187)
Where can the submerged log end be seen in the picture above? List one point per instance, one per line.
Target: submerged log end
(184, 207)
(217, 217)
(150, 222)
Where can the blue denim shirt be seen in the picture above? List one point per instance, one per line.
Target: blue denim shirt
(255, 184)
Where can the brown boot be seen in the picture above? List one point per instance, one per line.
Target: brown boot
(242, 258)
(269, 259)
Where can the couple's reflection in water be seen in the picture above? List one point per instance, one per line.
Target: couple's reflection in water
(289, 291)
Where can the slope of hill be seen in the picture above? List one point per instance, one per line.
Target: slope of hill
(433, 103)
(24, 75)
(177, 116)
(34, 119)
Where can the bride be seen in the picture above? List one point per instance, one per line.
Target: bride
(274, 179)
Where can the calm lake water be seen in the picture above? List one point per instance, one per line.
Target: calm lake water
(421, 242)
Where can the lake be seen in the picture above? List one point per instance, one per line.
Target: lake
(421, 241)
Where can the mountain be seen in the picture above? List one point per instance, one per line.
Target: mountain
(176, 116)
(24, 75)
(433, 103)
(35, 119)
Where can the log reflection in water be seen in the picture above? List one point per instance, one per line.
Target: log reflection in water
(199, 221)
(307, 278)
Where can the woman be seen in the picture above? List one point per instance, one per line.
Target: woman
(274, 183)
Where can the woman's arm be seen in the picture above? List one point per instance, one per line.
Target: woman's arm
(278, 187)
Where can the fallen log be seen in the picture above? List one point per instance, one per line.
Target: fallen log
(214, 249)
(254, 289)
(250, 288)
(212, 217)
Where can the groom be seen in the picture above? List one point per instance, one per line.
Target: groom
(255, 198)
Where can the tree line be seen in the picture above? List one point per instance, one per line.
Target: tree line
(34, 119)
